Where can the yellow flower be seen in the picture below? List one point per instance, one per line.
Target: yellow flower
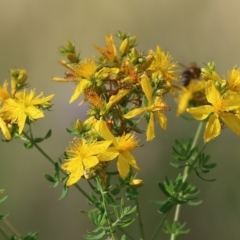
(222, 107)
(162, 66)
(84, 71)
(83, 156)
(121, 148)
(187, 94)
(153, 109)
(22, 106)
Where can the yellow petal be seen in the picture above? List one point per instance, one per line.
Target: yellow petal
(212, 94)
(109, 154)
(213, 128)
(75, 168)
(105, 132)
(131, 160)
(98, 147)
(134, 112)
(115, 98)
(34, 113)
(90, 162)
(162, 120)
(79, 89)
(201, 112)
(232, 121)
(123, 166)
(147, 88)
(150, 128)
(183, 102)
(233, 102)
(21, 122)
(4, 129)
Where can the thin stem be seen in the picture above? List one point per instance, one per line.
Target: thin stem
(3, 233)
(159, 226)
(12, 228)
(140, 220)
(53, 162)
(186, 172)
(99, 183)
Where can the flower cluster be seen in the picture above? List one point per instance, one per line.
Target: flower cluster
(118, 85)
(124, 86)
(20, 106)
(223, 102)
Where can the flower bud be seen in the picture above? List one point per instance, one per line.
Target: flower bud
(136, 183)
(124, 47)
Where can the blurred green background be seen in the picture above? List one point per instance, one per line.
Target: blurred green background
(30, 34)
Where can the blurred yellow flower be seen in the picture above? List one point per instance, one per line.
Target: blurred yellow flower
(222, 107)
(22, 106)
(234, 80)
(121, 148)
(187, 94)
(153, 109)
(4, 93)
(83, 156)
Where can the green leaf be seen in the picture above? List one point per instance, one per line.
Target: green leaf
(3, 216)
(126, 223)
(38, 140)
(91, 237)
(128, 211)
(123, 237)
(48, 135)
(64, 192)
(50, 178)
(166, 207)
(28, 145)
(162, 187)
(3, 199)
(210, 165)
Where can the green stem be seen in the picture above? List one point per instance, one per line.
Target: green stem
(11, 228)
(159, 226)
(99, 183)
(186, 173)
(140, 220)
(3, 233)
(53, 162)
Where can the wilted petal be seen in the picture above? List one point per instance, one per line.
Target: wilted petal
(213, 128)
